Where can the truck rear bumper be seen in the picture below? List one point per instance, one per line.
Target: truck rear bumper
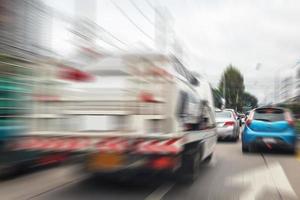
(111, 163)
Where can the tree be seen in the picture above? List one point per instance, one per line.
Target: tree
(217, 97)
(233, 83)
(249, 100)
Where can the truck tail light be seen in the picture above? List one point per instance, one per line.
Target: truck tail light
(73, 74)
(164, 162)
(147, 97)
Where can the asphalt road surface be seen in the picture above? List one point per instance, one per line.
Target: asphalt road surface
(230, 175)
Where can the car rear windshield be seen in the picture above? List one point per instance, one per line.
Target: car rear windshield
(269, 114)
(223, 114)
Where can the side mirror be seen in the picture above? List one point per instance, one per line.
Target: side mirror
(194, 81)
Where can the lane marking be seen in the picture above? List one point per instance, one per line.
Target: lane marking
(54, 188)
(281, 181)
(269, 178)
(160, 192)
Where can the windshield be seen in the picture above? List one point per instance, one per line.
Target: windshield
(270, 115)
(224, 114)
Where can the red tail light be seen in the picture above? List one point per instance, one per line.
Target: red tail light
(291, 123)
(229, 123)
(147, 97)
(73, 74)
(250, 117)
(248, 122)
(163, 163)
(289, 119)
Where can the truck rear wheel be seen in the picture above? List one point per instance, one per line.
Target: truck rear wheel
(189, 170)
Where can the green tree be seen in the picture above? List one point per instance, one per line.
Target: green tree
(217, 97)
(249, 100)
(233, 83)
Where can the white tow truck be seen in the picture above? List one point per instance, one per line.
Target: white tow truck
(140, 112)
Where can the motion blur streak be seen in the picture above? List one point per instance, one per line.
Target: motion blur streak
(108, 99)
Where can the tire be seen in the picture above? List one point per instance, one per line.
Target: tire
(292, 151)
(189, 170)
(245, 149)
(253, 148)
(8, 171)
(235, 138)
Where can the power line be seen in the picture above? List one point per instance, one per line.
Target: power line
(109, 33)
(131, 21)
(70, 20)
(85, 37)
(150, 4)
(141, 12)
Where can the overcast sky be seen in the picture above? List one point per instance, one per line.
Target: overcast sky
(259, 37)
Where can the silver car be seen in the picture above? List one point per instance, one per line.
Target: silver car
(227, 125)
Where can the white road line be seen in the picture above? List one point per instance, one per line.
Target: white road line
(264, 178)
(160, 192)
(281, 181)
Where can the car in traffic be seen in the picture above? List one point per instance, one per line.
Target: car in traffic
(236, 115)
(271, 127)
(227, 125)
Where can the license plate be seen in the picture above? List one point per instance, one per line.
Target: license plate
(100, 122)
(105, 161)
(269, 140)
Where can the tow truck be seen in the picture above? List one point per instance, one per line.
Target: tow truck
(138, 112)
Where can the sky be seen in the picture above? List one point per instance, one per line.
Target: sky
(259, 37)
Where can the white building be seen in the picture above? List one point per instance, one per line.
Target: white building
(25, 27)
(289, 85)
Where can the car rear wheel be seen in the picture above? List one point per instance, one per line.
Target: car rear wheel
(245, 148)
(235, 138)
(292, 151)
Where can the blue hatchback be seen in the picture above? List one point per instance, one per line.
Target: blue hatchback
(271, 127)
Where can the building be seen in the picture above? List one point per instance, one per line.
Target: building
(289, 85)
(26, 28)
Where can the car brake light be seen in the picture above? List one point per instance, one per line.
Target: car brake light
(291, 122)
(248, 122)
(289, 119)
(229, 123)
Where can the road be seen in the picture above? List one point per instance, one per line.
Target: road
(230, 175)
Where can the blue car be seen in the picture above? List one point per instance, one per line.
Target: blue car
(270, 127)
